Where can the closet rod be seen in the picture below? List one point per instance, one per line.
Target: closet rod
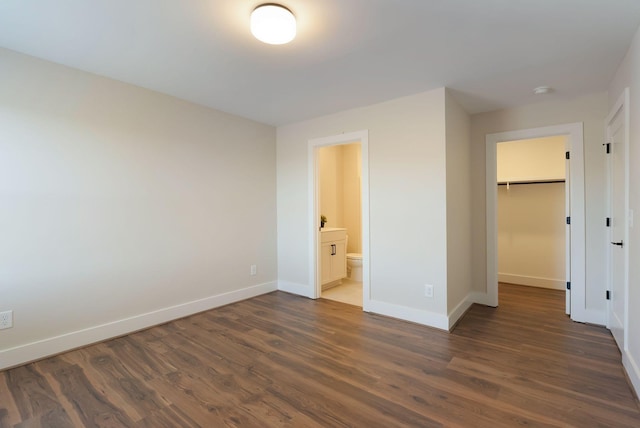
(529, 182)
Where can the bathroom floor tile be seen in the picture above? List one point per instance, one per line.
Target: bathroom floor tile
(349, 292)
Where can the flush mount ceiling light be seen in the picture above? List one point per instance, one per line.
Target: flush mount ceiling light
(273, 24)
(541, 90)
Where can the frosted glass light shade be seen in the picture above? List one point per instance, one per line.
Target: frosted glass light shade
(273, 24)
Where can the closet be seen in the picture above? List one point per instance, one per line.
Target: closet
(531, 212)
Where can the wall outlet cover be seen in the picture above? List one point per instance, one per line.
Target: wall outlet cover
(428, 291)
(6, 319)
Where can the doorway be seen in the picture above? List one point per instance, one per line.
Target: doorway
(532, 204)
(576, 287)
(335, 259)
(339, 202)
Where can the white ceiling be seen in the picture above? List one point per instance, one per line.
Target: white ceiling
(348, 53)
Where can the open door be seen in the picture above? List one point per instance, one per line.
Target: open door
(567, 239)
(617, 149)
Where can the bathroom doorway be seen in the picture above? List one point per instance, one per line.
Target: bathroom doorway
(340, 218)
(339, 202)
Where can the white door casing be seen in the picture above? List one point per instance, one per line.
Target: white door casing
(576, 233)
(617, 131)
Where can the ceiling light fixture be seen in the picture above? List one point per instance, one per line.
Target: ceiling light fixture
(272, 23)
(541, 90)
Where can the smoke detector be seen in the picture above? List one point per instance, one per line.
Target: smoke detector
(541, 90)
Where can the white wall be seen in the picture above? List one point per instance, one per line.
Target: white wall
(459, 210)
(531, 160)
(628, 75)
(118, 203)
(591, 110)
(531, 234)
(407, 202)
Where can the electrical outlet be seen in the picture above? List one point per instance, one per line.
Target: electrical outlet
(428, 291)
(6, 319)
(254, 270)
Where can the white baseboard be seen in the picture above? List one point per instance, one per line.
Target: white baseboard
(460, 310)
(532, 281)
(480, 298)
(51, 346)
(293, 288)
(427, 318)
(633, 371)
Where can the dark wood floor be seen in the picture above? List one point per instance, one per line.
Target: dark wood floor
(281, 360)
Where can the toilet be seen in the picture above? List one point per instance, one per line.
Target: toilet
(354, 266)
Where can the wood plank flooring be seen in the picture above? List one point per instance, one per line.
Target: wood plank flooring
(280, 360)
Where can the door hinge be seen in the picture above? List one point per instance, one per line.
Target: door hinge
(608, 295)
(568, 220)
(568, 285)
(608, 222)
(567, 155)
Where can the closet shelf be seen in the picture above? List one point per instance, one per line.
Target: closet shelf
(552, 180)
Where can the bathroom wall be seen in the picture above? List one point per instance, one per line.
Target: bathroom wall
(122, 208)
(531, 217)
(351, 201)
(331, 185)
(340, 196)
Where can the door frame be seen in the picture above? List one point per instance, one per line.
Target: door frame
(361, 137)
(575, 142)
(620, 107)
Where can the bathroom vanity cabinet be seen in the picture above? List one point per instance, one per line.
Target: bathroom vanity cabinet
(333, 255)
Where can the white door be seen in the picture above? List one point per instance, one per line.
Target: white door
(567, 239)
(617, 293)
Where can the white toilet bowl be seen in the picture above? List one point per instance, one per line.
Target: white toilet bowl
(354, 266)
